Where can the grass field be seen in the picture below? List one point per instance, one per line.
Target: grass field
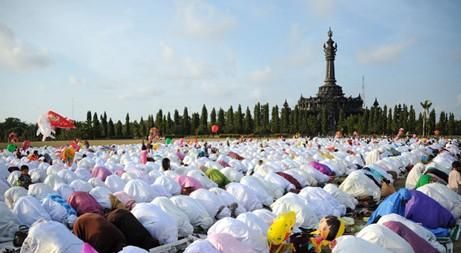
(66, 142)
(97, 142)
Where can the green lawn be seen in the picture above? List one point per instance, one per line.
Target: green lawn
(61, 143)
(96, 142)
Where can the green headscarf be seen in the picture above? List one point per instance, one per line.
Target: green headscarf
(217, 176)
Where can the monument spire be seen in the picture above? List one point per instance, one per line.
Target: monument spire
(330, 97)
(330, 48)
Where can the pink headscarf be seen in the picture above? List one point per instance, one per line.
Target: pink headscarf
(100, 172)
(186, 181)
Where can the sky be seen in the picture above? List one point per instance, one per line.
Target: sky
(141, 56)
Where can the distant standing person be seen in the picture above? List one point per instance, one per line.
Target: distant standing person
(143, 155)
(454, 178)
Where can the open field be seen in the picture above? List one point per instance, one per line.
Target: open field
(66, 142)
(60, 143)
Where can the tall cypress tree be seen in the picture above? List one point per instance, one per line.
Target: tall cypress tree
(169, 125)
(213, 116)
(442, 124)
(177, 124)
(295, 126)
(384, 120)
(431, 122)
(304, 122)
(104, 127)
(230, 120)
(419, 124)
(285, 118)
(127, 133)
(275, 120)
(186, 122)
(96, 126)
(451, 125)
(150, 122)
(142, 132)
(411, 120)
(248, 122)
(88, 117)
(404, 117)
(110, 129)
(195, 123)
(257, 118)
(204, 121)
(159, 122)
(371, 123)
(89, 125)
(238, 120)
(363, 123)
(135, 129)
(265, 119)
(222, 121)
(390, 123)
(119, 129)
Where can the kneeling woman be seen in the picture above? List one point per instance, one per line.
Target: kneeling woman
(281, 238)
(99, 233)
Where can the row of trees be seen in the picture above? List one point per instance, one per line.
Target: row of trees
(262, 120)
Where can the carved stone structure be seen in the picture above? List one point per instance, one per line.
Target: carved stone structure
(330, 97)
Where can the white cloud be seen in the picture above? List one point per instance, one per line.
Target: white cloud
(382, 54)
(167, 52)
(141, 93)
(76, 81)
(299, 57)
(173, 66)
(202, 20)
(256, 94)
(321, 8)
(458, 99)
(196, 69)
(15, 55)
(299, 51)
(261, 75)
(218, 89)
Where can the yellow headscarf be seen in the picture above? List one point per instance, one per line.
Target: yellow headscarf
(281, 228)
(342, 228)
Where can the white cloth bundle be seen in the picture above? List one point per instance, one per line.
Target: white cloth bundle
(305, 216)
(159, 224)
(184, 226)
(386, 238)
(197, 214)
(245, 196)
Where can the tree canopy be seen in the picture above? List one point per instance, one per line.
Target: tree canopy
(264, 120)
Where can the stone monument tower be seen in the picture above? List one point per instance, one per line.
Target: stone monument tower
(330, 97)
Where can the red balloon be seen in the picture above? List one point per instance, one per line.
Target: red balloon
(59, 121)
(214, 128)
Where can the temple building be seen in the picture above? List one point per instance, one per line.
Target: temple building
(330, 96)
